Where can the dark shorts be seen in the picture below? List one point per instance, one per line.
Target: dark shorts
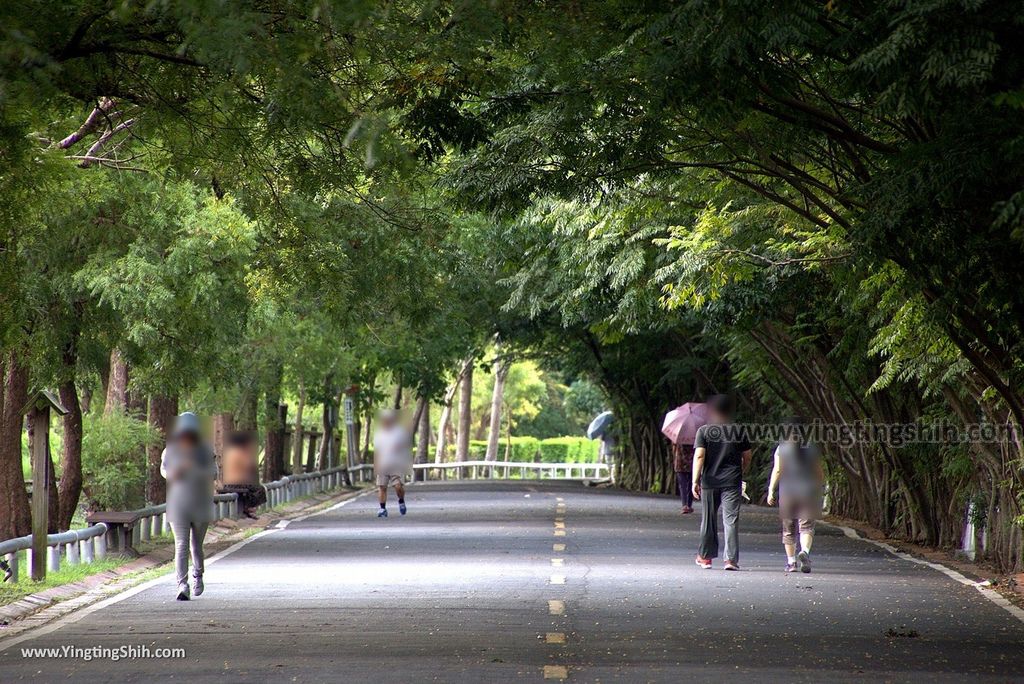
(249, 496)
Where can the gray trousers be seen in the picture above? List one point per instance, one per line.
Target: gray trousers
(728, 500)
(188, 537)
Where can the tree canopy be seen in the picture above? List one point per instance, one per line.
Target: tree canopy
(817, 206)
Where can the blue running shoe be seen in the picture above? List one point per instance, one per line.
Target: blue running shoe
(401, 507)
(383, 513)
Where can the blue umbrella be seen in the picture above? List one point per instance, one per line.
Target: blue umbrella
(600, 425)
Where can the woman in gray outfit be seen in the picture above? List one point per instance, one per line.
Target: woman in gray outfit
(189, 467)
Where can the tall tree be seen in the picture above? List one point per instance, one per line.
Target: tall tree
(298, 431)
(15, 518)
(117, 384)
(446, 409)
(70, 485)
(500, 368)
(465, 412)
(423, 435)
(162, 410)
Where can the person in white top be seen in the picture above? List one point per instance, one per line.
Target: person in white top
(392, 458)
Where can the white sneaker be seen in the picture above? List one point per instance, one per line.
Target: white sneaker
(183, 593)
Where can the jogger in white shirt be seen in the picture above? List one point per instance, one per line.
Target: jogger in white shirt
(392, 458)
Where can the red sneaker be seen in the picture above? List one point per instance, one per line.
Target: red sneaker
(687, 509)
(704, 562)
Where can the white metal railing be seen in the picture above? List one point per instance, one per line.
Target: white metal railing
(361, 473)
(152, 521)
(294, 487)
(506, 470)
(79, 546)
(92, 543)
(498, 470)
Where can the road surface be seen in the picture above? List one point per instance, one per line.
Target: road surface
(493, 582)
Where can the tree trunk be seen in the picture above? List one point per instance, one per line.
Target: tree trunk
(15, 516)
(423, 440)
(398, 396)
(273, 442)
(274, 451)
(367, 437)
(508, 436)
(117, 384)
(70, 486)
(297, 432)
(501, 368)
(223, 426)
(53, 503)
(465, 412)
(248, 406)
(162, 410)
(442, 429)
(311, 452)
(324, 457)
(446, 412)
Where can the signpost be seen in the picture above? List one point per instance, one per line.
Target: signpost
(38, 410)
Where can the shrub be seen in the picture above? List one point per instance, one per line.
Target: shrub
(477, 449)
(532, 450)
(569, 450)
(525, 449)
(554, 450)
(114, 461)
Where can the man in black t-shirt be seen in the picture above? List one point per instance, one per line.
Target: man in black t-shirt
(721, 455)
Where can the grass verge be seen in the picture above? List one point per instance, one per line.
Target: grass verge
(66, 575)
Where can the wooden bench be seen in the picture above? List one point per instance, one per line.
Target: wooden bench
(120, 525)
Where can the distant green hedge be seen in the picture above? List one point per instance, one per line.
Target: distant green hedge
(531, 450)
(569, 450)
(551, 450)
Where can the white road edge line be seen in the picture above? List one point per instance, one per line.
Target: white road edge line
(990, 594)
(77, 615)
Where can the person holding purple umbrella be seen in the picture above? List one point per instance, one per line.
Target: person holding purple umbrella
(680, 426)
(682, 463)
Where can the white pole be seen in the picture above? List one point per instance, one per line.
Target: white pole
(53, 557)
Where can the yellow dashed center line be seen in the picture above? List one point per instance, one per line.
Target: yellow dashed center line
(557, 606)
(556, 672)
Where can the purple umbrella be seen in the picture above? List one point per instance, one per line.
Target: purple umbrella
(681, 423)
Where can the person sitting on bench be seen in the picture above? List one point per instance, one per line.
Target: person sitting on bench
(240, 473)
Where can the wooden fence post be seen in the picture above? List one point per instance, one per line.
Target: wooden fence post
(311, 454)
(38, 409)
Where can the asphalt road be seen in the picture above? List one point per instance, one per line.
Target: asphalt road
(473, 585)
